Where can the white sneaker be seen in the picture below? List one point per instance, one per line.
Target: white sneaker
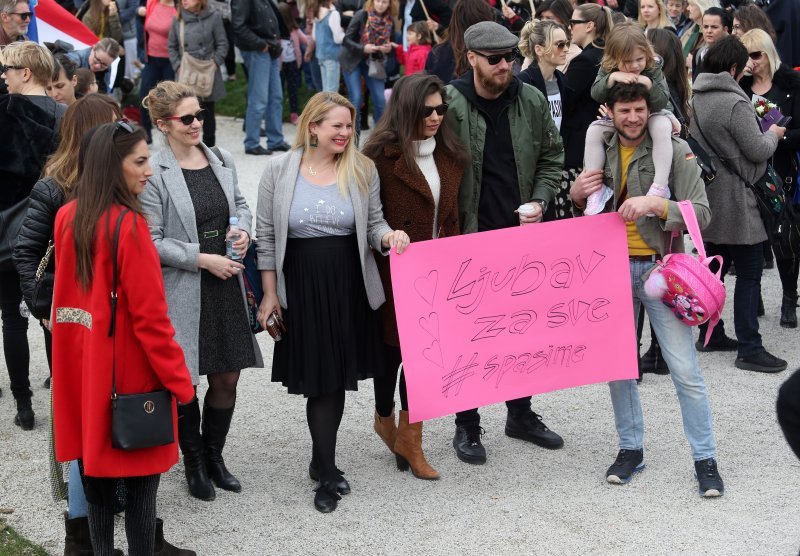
(597, 200)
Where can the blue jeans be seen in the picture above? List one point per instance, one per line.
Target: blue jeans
(353, 81)
(330, 75)
(76, 497)
(264, 99)
(749, 261)
(677, 346)
(154, 71)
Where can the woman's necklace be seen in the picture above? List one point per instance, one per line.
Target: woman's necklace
(315, 172)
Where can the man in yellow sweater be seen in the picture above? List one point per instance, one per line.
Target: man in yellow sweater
(629, 170)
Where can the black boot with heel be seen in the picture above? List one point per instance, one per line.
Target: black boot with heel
(191, 443)
(216, 423)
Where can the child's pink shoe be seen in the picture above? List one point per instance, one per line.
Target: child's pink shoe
(597, 200)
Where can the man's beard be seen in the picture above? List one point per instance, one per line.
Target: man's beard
(621, 131)
(491, 83)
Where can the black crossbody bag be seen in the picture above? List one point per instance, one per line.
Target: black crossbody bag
(137, 420)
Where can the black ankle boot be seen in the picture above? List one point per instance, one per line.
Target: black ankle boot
(216, 423)
(25, 416)
(77, 541)
(191, 443)
(163, 548)
(789, 311)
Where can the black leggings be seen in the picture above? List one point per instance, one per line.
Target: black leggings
(15, 335)
(384, 385)
(324, 414)
(140, 519)
(788, 270)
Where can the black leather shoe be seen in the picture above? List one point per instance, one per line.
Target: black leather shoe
(529, 427)
(342, 486)
(718, 342)
(282, 147)
(326, 499)
(259, 150)
(25, 418)
(763, 362)
(467, 442)
(653, 362)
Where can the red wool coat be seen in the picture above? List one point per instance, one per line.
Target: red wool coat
(408, 205)
(148, 358)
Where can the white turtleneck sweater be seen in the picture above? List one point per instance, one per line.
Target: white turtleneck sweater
(427, 165)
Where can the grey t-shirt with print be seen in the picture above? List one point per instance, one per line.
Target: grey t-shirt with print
(320, 210)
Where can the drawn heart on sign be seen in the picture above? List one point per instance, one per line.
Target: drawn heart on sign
(430, 325)
(425, 286)
(434, 354)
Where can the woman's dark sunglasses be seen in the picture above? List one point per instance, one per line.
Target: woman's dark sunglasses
(441, 110)
(577, 21)
(189, 118)
(755, 55)
(4, 68)
(494, 59)
(123, 125)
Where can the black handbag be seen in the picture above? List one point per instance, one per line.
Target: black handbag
(11, 219)
(137, 420)
(42, 295)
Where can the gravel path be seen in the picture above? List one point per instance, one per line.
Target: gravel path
(525, 500)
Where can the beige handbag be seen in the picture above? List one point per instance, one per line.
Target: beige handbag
(197, 74)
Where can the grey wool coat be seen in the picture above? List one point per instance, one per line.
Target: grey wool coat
(170, 215)
(275, 192)
(730, 129)
(205, 39)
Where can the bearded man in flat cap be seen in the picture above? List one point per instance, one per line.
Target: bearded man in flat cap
(516, 158)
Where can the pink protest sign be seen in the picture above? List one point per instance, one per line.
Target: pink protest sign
(495, 316)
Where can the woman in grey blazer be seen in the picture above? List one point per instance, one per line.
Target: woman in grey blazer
(319, 218)
(188, 203)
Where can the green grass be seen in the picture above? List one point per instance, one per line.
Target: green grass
(235, 102)
(11, 544)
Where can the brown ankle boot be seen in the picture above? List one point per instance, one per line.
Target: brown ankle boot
(408, 450)
(386, 429)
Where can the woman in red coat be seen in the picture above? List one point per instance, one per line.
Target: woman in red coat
(147, 357)
(420, 162)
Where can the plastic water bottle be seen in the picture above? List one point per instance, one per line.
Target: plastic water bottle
(232, 236)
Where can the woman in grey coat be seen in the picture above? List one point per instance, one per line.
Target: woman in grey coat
(725, 124)
(204, 38)
(188, 202)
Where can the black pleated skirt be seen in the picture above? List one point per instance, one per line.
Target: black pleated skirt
(333, 337)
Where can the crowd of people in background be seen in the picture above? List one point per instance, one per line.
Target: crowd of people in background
(483, 115)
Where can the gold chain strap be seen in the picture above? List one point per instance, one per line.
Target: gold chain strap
(45, 261)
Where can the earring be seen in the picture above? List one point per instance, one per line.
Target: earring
(314, 141)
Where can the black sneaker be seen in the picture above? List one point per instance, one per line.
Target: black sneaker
(529, 427)
(467, 442)
(258, 151)
(627, 463)
(719, 342)
(763, 362)
(653, 362)
(709, 481)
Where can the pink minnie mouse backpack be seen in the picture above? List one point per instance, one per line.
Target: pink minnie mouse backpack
(685, 284)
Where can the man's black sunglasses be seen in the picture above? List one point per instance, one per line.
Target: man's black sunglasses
(494, 59)
(22, 15)
(441, 110)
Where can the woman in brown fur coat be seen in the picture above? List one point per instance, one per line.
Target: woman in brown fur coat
(420, 162)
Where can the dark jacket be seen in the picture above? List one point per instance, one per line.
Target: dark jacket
(532, 75)
(580, 75)
(352, 51)
(408, 205)
(438, 10)
(36, 232)
(785, 93)
(785, 18)
(205, 39)
(29, 135)
(255, 23)
(441, 62)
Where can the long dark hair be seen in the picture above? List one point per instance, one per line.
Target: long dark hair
(402, 121)
(667, 45)
(101, 184)
(466, 13)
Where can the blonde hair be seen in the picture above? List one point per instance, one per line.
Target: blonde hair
(164, 97)
(351, 165)
(622, 42)
(663, 18)
(28, 54)
(538, 33)
(760, 39)
(703, 5)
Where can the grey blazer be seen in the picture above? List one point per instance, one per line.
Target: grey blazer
(275, 192)
(170, 215)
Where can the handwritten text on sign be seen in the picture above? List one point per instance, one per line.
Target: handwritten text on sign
(495, 316)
